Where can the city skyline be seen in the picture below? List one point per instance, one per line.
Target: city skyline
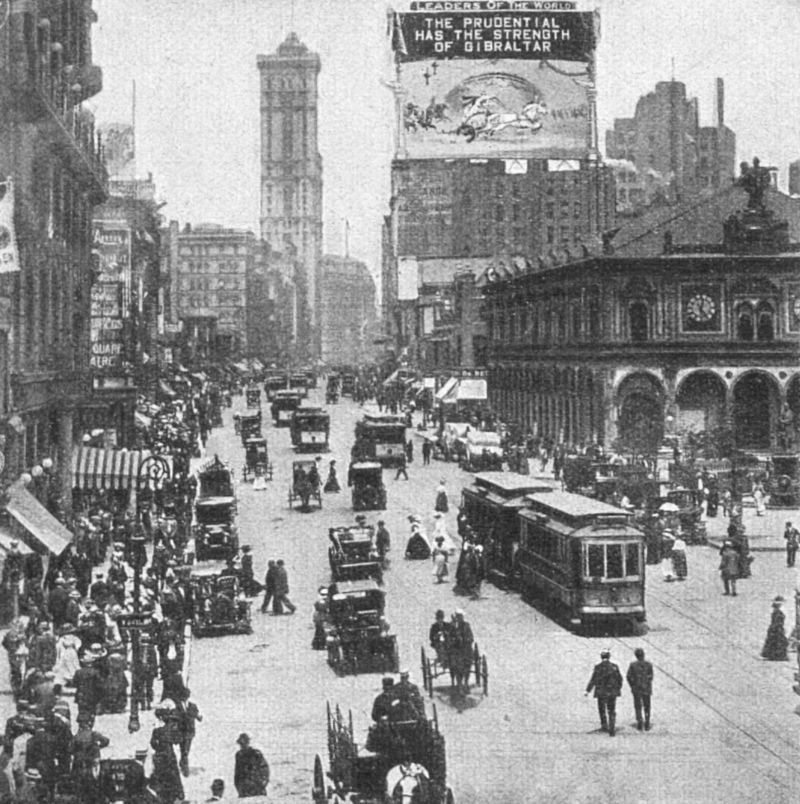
(197, 97)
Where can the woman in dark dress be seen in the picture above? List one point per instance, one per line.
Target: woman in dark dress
(332, 483)
(166, 779)
(776, 644)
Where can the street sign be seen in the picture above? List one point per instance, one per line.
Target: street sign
(135, 620)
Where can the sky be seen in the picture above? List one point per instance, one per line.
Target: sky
(197, 93)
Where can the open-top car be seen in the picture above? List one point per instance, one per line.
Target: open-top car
(357, 634)
(256, 459)
(366, 480)
(353, 555)
(402, 762)
(219, 605)
(215, 533)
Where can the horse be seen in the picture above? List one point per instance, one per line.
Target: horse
(528, 118)
(408, 783)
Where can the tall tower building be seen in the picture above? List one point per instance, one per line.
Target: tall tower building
(291, 167)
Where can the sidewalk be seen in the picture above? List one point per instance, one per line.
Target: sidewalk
(765, 533)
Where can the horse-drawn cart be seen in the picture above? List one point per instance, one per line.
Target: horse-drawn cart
(305, 485)
(256, 460)
(466, 666)
(402, 761)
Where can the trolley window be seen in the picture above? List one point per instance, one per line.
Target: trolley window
(632, 559)
(612, 560)
(614, 566)
(596, 562)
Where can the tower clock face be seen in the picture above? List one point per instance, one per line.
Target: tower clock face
(700, 308)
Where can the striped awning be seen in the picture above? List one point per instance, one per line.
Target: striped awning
(94, 468)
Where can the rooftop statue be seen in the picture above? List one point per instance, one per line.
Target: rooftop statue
(755, 180)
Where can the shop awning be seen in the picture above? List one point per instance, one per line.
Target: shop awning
(94, 468)
(391, 378)
(6, 537)
(446, 388)
(471, 389)
(43, 528)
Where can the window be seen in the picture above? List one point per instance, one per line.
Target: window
(744, 323)
(614, 566)
(551, 234)
(765, 330)
(638, 322)
(499, 213)
(632, 559)
(596, 561)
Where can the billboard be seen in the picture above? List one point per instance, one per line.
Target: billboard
(494, 84)
(119, 148)
(110, 293)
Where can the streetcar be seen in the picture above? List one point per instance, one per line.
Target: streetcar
(299, 382)
(491, 506)
(582, 557)
(274, 382)
(381, 438)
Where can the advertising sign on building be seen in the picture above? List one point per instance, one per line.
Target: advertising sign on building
(407, 278)
(9, 256)
(496, 84)
(112, 243)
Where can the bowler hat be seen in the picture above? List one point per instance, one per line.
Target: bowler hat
(243, 739)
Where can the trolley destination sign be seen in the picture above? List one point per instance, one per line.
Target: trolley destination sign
(566, 36)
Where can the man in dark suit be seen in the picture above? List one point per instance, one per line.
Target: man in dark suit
(606, 681)
(640, 680)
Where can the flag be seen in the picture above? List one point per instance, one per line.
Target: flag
(398, 40)
(9, 256)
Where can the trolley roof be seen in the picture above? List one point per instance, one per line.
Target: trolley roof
(511, 484)
(576, 507)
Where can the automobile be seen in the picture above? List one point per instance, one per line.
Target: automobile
(454, 440)
(256, 459)
(250, 424)
(310, 429)
(299, 382)
(366, 480)
(348, 385)
(253, 397)
(215, 533)
(483, 452)
(219, 605)
(357, 635)
(284, 404)
(274, 382)
(332, 389)
(352, 553)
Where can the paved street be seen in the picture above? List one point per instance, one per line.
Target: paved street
(724, 726)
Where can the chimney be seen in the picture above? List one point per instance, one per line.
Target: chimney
(720, 103)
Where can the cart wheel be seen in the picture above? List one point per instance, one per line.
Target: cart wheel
(291, 498)
(485, 673)
(318, 790)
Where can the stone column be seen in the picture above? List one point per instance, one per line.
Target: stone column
(64, 456)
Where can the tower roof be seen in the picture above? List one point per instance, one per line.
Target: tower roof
(292, 46)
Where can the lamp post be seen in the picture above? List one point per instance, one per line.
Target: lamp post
(137, 558)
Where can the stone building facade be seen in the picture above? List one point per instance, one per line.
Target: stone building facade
(48, 148)
(211, 290)
(682, 325)
(663, 153)
(291, 167)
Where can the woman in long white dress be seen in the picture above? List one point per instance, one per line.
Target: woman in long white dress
(440, 556)
(440, 530)
(759, 498)
(67, 661)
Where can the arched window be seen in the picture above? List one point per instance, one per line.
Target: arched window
(765, 330)
(744, 322)
(639, 321)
